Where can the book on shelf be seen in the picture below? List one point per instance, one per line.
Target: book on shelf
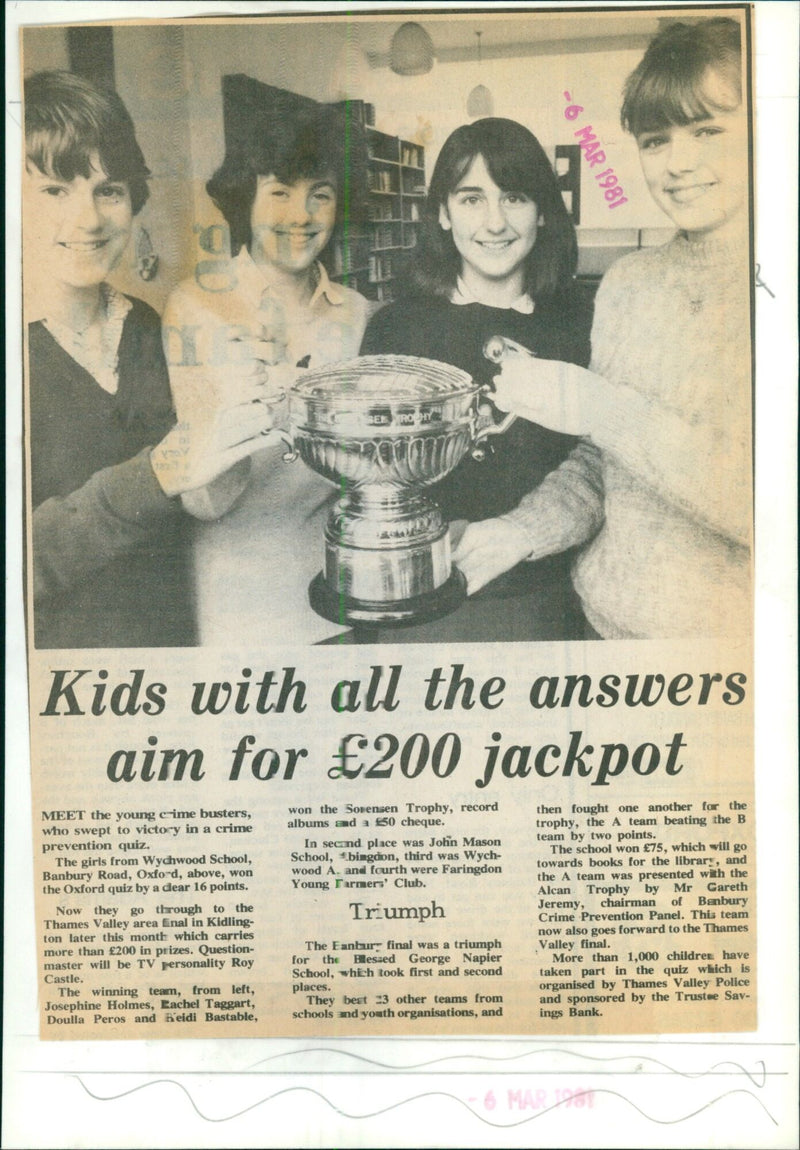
(382, 180)
(410, 155)
(396, 185)
(386, 236)
(413, 183)
(383, 210)
(380, 267)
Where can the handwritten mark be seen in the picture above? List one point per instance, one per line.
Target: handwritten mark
(760, 282)
(758, 1078)
(413, 1098)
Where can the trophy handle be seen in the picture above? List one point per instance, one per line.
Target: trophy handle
(284, 433)
(496, 348)
(291, 453)
(478, 452)
(499, 347)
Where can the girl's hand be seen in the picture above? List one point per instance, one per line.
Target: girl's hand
(255, 361)
(225, 409)
(196, 452)
(544, 391)
(488, 549)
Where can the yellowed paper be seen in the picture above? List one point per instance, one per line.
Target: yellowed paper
(248, 834)
(466, 894)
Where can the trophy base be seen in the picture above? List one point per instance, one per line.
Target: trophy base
(346, 609)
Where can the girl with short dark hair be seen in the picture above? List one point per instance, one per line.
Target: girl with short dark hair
(286, 187)
(322, 141)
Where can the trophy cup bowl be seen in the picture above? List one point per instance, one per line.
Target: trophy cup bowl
(383, 428)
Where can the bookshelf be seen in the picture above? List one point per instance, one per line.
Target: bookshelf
(396, 190)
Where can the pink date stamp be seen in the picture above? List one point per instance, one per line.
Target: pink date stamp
(516, 1100)
(594, 155)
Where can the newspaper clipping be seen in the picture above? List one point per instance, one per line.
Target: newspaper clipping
(389, 523)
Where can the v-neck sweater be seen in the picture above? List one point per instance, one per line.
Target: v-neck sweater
(108, 554)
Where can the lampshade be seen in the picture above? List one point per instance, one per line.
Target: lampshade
(350, 72)
(480, 102)
(411, 53)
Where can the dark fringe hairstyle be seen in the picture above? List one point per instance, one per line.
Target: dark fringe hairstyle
(67, 120)
(323, 143)
(517, 163)
(666, 88)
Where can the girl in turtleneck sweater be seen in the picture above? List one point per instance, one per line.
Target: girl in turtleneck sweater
(667, 399)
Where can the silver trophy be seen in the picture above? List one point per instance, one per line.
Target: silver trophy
(383, 428)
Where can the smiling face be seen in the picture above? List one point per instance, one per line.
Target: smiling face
(292, 223)
(697, 173)
(493, 230)
(79, 228)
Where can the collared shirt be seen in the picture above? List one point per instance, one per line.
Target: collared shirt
(253, 565)
(462, 295)
(254, 283)
(320, 331)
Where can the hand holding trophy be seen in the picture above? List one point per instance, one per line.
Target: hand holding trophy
(383, 428)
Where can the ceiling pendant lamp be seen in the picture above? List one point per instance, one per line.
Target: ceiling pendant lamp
(480, 101)
(350, 73)
(411, 52)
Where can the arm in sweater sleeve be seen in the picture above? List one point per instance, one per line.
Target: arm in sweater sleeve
(566, 509)
(698, 468)
(115, 512)
(703, 468)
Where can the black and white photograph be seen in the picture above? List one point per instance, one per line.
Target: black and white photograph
(401, 408)
(438, 361)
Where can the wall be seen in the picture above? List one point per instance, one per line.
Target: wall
(149, 64)
(44, 49)
(531, 90)
(304, 58)
(169, 76)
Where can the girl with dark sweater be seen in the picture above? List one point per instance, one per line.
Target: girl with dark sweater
(496, 256)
